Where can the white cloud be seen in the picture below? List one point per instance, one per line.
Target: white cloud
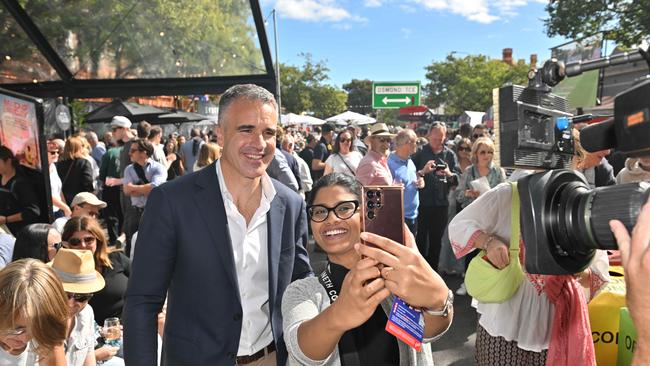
(315, 11)
(372, 3)
(481, 11)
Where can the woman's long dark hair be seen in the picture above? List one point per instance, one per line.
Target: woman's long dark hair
(335, 179)
(31, 242)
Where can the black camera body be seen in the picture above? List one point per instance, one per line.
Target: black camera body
(564, 220)
(531, 132)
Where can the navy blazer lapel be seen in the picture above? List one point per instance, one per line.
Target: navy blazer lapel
(274, 223)
(210, 203)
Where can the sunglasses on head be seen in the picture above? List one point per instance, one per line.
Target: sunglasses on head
(75, 242)
(79, 297)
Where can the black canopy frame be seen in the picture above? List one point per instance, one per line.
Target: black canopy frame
(70, 87)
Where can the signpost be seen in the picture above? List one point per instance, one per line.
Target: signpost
(391, 95)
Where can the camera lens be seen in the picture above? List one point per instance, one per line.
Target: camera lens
(370, 204)
(371, 215)
(370, 194)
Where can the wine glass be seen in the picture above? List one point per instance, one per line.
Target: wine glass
(112, 330)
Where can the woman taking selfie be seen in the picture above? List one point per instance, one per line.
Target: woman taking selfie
(321, 332)
(34, 315)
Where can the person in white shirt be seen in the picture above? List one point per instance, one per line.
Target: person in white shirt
(344, 158)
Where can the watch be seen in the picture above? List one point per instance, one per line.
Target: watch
(449, 304)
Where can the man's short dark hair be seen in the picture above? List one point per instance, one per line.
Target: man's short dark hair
(144, 145)
(250, 92)
(143, 129)
(155, 132)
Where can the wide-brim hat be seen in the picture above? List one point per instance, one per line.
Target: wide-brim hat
(377, 130)
(76, 270)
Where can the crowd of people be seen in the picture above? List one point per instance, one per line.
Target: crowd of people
(198, 245)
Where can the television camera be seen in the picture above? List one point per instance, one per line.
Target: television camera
(563, 219)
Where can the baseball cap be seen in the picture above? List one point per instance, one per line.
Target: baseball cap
(120, 121)
(89, 198)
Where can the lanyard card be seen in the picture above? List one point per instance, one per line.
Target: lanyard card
(406, 323)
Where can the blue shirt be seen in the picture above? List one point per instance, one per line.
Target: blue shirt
(404, 171)
(155, 173)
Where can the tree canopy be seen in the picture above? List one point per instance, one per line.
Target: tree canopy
(462, 84)
(143, 39)
(626, 22)
(304, 90)
(359, 96)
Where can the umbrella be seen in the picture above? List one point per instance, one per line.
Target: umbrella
(133, 111)
(179, 117)
(349, 117)
(206, 123)
(298, 119)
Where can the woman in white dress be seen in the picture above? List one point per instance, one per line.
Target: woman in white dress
(344, 158)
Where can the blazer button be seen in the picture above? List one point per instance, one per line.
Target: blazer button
(237, 317)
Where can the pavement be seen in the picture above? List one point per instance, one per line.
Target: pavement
(456, 347)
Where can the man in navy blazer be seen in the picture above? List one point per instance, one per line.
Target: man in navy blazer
(222, 245)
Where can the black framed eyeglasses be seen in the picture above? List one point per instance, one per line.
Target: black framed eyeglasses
(79, 297)
(343, 210)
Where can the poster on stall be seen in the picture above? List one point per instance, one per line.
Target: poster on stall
(19, 130)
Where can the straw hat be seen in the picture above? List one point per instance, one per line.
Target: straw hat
(76, 270)
(378, 129)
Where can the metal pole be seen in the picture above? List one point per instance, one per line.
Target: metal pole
(277, 65)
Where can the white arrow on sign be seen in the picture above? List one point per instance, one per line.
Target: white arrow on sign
(405, 100)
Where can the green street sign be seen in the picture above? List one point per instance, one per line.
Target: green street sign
(387, 95)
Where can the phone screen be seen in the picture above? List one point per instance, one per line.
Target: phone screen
(382, 210)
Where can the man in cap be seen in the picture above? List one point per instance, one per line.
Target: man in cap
(322, 151)
(110, 174)
(373, 169)
(83, 204)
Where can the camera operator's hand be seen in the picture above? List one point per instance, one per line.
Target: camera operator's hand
(498, 253)
(362, 291)
(407, 273)
(635, 255)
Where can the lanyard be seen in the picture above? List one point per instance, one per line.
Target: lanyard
(347, 347)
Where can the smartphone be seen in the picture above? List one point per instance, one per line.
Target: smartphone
(382, 209)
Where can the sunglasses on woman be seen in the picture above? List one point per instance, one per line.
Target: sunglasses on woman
(464, 148)
(88, 240)
(343, 210)
(79, 297)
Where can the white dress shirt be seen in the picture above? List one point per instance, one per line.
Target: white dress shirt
(250, 250)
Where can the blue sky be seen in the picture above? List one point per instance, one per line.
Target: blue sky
(389, 40)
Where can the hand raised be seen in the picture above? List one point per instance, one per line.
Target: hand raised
(362, 291)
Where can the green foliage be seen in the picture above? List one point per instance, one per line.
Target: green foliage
(78, 111)
(466, 83)
(389, 117)
(145, 39)
(359, 96)
(303, 89)
(626, 22)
